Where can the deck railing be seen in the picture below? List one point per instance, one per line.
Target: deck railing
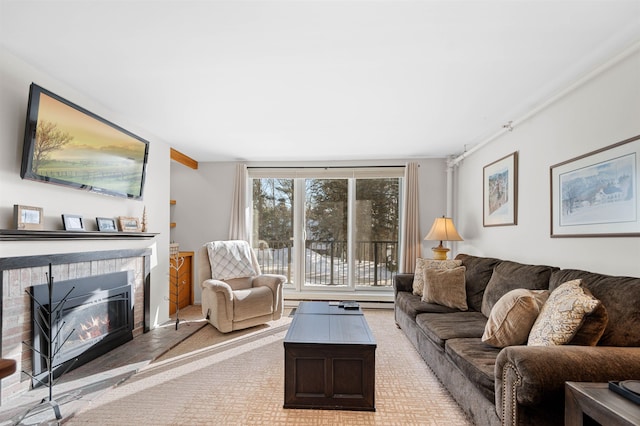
(326, 262)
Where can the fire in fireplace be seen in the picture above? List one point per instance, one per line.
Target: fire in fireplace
(96, 317)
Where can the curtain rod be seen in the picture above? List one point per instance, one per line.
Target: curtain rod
(322, 167)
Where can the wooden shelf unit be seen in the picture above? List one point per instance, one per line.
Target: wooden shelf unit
(184, 276)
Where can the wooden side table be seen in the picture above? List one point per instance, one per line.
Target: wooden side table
(7, 367)
(596, 401)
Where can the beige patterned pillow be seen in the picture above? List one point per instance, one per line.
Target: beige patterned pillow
(562, 315)
(446, 287)
(513, 316)
(422, 264)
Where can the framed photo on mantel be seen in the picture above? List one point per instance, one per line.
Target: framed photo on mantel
(500, 192)
(596, 194)
(28, 217)
(129, 224)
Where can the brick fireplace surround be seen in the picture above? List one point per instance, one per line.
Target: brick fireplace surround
(18, 274)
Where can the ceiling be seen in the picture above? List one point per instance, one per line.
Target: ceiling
(318, 80)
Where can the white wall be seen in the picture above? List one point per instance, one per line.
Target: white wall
(203, 200)
(603, 111)
(15, 78)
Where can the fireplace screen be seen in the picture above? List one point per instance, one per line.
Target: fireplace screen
(96, 317)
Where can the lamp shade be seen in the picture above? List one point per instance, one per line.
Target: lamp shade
(443, 230)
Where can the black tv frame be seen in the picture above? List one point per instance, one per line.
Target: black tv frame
(27, 172)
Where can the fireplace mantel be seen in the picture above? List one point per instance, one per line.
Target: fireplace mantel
(32, 235)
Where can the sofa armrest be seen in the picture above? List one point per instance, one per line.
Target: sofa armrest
(403, 282)
(275, 283)
(531, 375)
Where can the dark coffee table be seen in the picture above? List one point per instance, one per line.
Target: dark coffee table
(329, 359)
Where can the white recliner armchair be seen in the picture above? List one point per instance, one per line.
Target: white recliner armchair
(235, 294)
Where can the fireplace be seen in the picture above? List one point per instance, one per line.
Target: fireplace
(89, 317)
(20, 274)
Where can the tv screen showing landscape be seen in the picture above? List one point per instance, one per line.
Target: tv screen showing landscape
(67, 145)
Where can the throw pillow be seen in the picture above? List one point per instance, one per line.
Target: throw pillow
(513, 316)
(562, 315)
(422, 264)
(592, 328)
(445, 287)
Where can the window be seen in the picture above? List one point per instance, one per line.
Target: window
(328, 229)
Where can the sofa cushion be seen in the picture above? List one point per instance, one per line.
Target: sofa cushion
(513, 316)
(441, 327)
(445, 287)
(423, 264)
(412, 305)
(508, 276)
(562, 315)
(478, 274)
(477, 361)
(621, 298)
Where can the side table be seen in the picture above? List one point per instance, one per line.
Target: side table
(596, 401)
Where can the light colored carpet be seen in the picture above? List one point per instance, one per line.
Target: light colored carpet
(238, 379)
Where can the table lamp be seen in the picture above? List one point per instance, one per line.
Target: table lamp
(442, 230)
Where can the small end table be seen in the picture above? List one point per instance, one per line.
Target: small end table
(598, 402)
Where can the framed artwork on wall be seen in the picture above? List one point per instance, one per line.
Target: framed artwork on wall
(500, 192)
(596, 194)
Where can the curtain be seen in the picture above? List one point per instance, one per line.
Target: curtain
(411, 243)
(239, 226)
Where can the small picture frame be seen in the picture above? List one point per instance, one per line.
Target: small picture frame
(73, 222)
(28, 217)
(129, 224)
(106, 224)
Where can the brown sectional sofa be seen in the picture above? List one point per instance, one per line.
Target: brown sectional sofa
(518, 385)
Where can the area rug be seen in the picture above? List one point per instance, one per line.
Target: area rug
(238, 379)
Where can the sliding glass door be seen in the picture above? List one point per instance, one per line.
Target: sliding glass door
(328, 230)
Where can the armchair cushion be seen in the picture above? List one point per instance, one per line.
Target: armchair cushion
(247, 302)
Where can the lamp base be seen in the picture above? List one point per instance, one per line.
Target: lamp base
(440, 253)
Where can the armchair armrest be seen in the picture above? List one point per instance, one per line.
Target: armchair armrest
(530, 375)
(403, 282)
(217, 296)
(275, 283)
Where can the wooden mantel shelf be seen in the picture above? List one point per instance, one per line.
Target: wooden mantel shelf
(30, 235)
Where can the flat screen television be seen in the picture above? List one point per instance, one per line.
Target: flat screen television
(65, 144)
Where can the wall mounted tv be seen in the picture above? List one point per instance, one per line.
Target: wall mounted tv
(67, 145)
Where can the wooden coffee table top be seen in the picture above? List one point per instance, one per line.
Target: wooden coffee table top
(322, 323)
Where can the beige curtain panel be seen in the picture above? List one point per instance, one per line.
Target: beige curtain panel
(239, 226)
(411, 247)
